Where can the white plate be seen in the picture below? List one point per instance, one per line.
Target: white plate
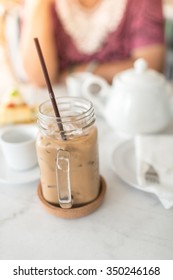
(124, 165)
(9, 176)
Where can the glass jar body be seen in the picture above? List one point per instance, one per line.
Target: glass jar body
(81, 144)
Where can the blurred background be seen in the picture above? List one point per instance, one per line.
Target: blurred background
(168, 12)
(10, 30)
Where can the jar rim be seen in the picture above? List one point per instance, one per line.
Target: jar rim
(61, 100)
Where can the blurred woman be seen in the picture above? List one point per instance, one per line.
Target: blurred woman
(101, 36)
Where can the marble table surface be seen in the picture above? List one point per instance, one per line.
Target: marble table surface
(130, 224)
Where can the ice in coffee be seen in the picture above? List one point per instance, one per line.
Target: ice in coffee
(69, 165)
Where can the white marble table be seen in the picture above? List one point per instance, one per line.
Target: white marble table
(129, 224)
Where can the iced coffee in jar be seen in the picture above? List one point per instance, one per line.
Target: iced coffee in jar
(68, 153)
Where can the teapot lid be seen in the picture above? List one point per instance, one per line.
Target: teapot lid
(140, 76)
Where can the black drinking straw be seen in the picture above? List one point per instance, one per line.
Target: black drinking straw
(49, 86)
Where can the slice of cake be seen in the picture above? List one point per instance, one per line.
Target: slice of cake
(15, 110)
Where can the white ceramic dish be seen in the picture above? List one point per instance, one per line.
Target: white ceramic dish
(139, 101)
(124, 165)
(10, 176)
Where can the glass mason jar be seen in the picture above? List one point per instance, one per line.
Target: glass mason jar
(67, 151)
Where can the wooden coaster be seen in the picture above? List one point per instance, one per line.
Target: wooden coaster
(74, 212)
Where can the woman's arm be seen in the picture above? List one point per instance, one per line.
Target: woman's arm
(154, 55)
(38, 22)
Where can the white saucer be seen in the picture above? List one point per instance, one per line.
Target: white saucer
(9, 176)
(124, 165)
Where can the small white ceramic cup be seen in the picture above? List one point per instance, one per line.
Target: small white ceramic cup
(18, 147)
(74, 83)
(89, 86)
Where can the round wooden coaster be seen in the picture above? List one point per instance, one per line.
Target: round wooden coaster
(74, 212)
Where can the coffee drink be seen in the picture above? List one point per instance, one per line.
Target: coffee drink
(73, 162)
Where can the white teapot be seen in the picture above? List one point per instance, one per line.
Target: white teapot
(139, 101)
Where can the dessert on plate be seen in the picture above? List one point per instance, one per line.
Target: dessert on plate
(14, 110)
